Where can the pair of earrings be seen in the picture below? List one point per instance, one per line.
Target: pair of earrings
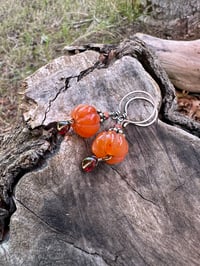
(109, 146)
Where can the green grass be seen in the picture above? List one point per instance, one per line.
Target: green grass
(32, 32)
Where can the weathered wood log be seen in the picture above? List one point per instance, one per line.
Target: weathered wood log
(180, 59)
(143, 211)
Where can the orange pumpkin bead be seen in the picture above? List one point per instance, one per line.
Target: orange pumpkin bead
(110, 143)
(86, 120)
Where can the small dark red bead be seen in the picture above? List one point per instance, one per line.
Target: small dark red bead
(64, 130)
(63, 127)
(89, 163)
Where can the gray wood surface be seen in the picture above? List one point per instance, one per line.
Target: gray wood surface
(144, 211)
(180, 59)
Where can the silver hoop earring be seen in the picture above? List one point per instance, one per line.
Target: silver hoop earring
(125, 102)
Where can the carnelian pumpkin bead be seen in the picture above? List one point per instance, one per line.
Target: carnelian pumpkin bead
(110, 143)
(86, 120)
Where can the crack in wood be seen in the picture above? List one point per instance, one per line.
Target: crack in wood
(132, 188)
(136, 48)
(179, 187)
(61, 233)
(95, 254)
(186, 182)
(22, 159)
(81, 75)
(50, 102)
(38, 217)
(91, 253)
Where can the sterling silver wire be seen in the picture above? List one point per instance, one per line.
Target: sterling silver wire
(124, 105)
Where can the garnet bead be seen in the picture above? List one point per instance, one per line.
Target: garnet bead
(89, 163)
(86, 120)
(63, 127)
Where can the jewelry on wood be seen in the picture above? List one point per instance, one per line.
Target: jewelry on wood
(109, 146)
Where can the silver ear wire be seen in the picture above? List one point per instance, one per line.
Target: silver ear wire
(124, 105)
(145, 122)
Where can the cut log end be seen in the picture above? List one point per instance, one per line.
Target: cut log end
(142, 211)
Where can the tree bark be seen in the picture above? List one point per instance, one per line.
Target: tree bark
(171, 19)
(180, 59)
(170, 9)
(143, 211)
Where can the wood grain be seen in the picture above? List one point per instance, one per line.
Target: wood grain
(180, 59)
(144, 211)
